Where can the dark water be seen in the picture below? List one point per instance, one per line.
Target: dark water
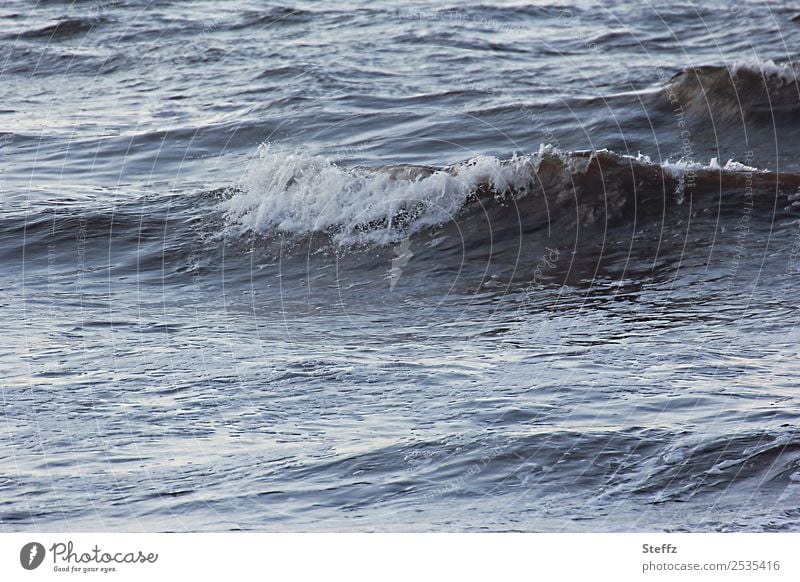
(369, 266)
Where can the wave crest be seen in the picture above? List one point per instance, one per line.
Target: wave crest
(302, 194)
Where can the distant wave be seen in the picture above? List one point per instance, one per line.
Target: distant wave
(743, 91)
(64, 28)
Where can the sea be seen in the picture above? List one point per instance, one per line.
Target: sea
(409, 266)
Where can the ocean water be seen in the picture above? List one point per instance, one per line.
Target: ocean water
(419, 266)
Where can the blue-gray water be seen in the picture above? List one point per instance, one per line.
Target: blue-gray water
(409, 267)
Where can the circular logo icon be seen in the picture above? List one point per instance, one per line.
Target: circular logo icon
(31, 555)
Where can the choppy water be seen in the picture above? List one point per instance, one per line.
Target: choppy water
(369, 266)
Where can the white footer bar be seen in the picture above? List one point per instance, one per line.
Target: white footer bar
(388, 557)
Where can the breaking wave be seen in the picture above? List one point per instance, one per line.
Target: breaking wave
(301, 194)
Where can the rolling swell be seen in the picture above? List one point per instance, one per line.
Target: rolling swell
(746, 92)
(747, 109)
(549, 218)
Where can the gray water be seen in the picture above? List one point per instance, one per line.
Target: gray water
(367, 266)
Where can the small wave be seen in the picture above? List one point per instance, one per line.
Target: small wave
(770, 458)
(274, 16)
(491, 15)
(59, 60)
(62, 29)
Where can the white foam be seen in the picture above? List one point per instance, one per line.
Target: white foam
(682, 168)
(679, 168)
(784, 72)
(301, 194)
